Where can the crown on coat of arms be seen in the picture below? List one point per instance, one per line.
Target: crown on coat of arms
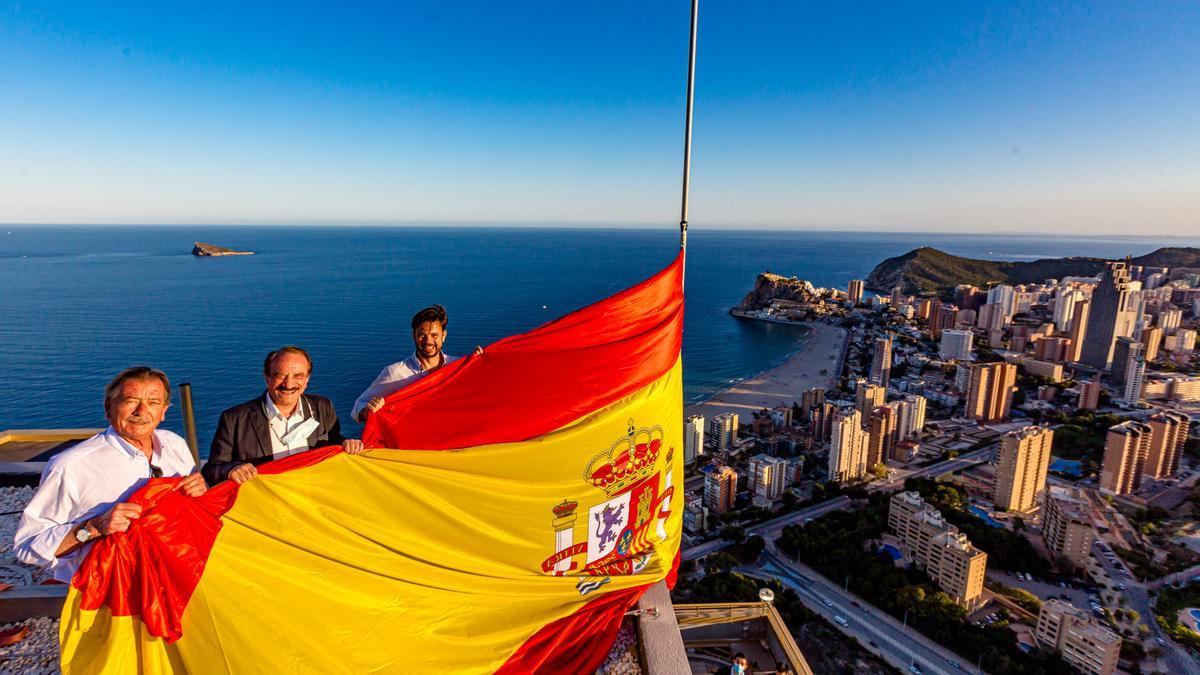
(565, 509)
(628, 460)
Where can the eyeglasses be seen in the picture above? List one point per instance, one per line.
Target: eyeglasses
(155, 471)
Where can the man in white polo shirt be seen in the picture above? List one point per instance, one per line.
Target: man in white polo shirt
(83, 490)
(429, 333)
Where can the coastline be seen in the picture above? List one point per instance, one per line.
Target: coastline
(783, 384)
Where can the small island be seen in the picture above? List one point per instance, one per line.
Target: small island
(203, 250)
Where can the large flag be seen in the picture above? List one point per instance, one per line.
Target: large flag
(530, 496)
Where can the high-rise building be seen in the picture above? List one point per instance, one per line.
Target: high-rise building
(881, 362)
(1006, 297)
(990, 317)
(811, 399)
(854, 291)
(1082, 642)
(968, 297)
(723, 430)
(1126, 447)
(946, 554)
(956, 345)
(1151, 342)
(944, 318)
(924, 308)
(1169, 320)
(1185, 341)
(910, 417)
(989, 395)
(847, 448)
(1064, 307)
(1021, 467)
(1089, 394)
(880, 437)
(1109, 317)
(1126, 348)
(1079, 322)
(1052, 349)
(693, 438)
(820, 421)
(869, 397)
(1135, 374)
(1168, 435)
(1067, 525)
(897, 297)
(720, 489)
(962, 376)
(769, 477)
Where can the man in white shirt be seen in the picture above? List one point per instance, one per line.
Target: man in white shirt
(429, 333)
(83, 489)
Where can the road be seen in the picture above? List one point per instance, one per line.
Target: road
(876, 631)
(774, 525)
(1175, 658)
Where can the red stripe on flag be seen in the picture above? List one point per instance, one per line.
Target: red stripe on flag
(531, 384)
(151, 570)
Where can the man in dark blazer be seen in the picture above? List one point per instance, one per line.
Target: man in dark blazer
(282, 421)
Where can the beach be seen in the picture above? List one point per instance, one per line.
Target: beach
(783, 384)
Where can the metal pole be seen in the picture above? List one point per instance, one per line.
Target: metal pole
(687, 131)
(189, 419)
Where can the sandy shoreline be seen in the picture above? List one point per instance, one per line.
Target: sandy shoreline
(784, 383)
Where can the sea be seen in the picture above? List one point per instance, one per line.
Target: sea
(79, 303)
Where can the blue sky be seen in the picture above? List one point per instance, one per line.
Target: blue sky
(1075, 118)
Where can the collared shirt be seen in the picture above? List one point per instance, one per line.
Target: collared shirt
(280, 427)
(394, 378)
(83, 482)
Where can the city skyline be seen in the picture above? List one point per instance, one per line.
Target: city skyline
(990, 118)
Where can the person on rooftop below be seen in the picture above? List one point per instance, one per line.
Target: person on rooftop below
(429, 333)
(83, 489)
(282, 421)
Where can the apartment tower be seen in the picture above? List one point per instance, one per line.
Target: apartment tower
(989, 395)
(1021, 467)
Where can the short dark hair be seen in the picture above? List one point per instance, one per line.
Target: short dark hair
(435, 313)
(143, 373)
(286, 349)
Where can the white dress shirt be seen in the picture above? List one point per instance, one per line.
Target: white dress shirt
(392, 379)
(84, 482)
(281, 427)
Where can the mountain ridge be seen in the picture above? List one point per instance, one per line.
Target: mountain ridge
(930, 271)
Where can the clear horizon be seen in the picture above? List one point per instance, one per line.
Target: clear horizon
(994, 118)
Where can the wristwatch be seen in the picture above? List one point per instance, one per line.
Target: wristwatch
(84, 534)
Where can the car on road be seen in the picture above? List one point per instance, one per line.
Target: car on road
(915, 669)
(872, 643)
(828, 602)
(956, 665)
(841, 621)
(1161, 642)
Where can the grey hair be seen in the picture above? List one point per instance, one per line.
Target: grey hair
(143, 373)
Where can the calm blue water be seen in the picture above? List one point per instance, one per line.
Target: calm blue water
(1071, 467)
(985, 517)
(892, 551)
(77, 304)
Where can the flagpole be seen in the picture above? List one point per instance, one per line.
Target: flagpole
(687, 133)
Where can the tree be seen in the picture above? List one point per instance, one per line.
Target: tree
(734, 533)
(719, 563)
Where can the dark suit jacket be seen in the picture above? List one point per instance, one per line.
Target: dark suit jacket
(243, 436)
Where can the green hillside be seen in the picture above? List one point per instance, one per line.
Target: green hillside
(928, 271)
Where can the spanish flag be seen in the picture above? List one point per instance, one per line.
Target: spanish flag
(525, 500)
